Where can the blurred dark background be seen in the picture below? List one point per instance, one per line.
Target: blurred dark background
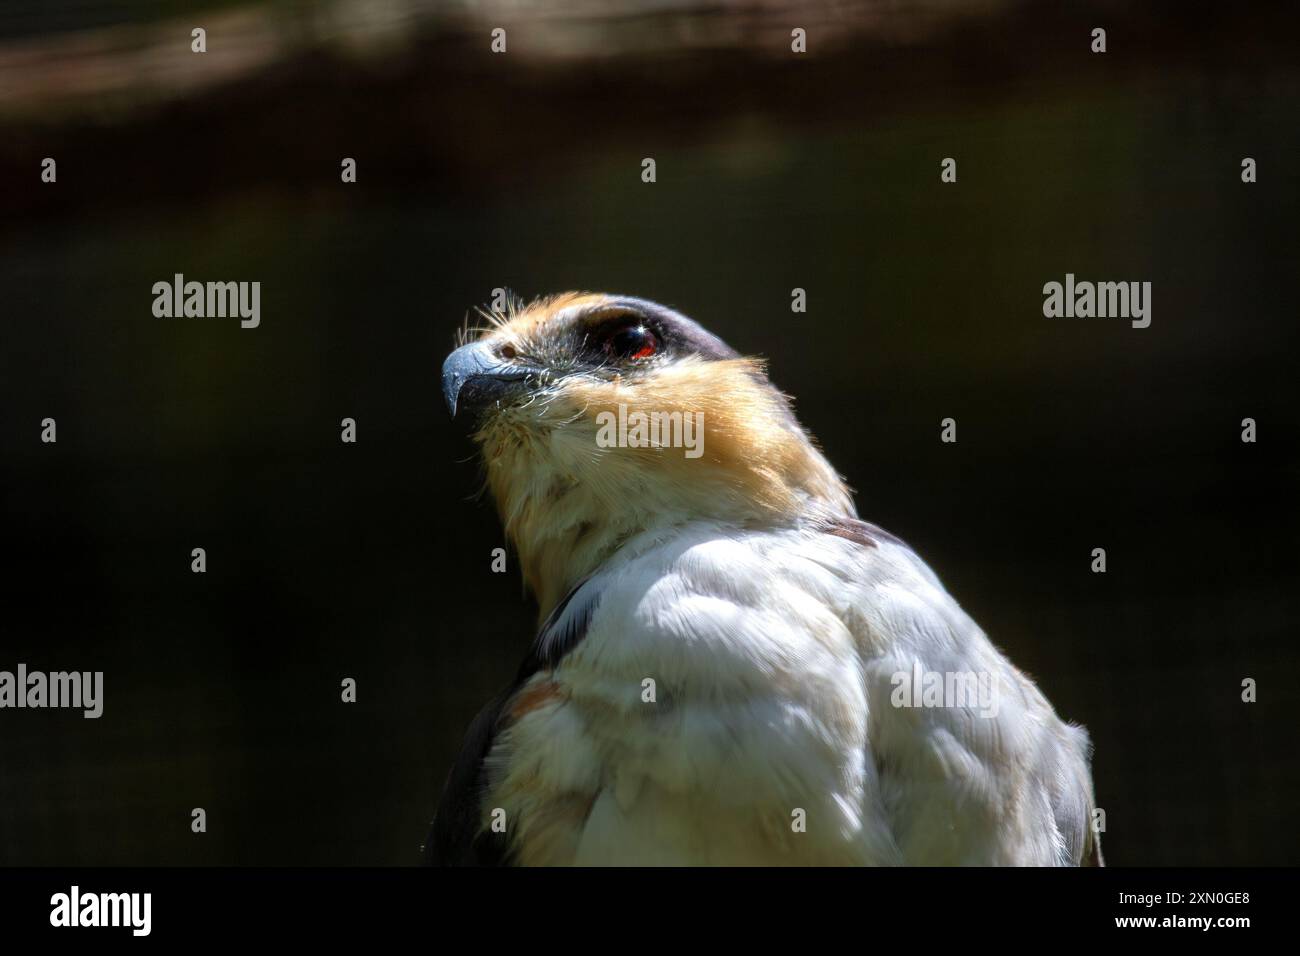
(522, 170)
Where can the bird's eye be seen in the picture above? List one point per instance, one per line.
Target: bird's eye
(631, 342)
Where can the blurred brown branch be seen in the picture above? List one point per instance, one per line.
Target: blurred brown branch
(416, 86)
(120, 66)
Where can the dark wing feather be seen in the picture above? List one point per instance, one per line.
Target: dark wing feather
(860, 532)
(457, 837)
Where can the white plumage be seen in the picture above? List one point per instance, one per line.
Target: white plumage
(773, 655)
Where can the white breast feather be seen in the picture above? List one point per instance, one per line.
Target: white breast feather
(773, 655)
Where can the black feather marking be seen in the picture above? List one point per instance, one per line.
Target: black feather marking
(566, 625)
(457, 837)
(860, 532)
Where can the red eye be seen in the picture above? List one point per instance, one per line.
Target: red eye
(631, 343)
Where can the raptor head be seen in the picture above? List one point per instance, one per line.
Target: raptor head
(600, 417)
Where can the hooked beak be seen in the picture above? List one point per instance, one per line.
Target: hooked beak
(474, 378)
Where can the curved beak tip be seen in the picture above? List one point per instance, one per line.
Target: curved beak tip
(451, 383)
(462, 364)
(474, 375)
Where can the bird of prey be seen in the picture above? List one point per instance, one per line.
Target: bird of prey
(730, 667)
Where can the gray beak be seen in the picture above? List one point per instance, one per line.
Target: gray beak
(473, 378)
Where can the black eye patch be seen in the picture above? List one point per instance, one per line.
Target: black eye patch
(618, 337)
(626, 331)
(632, 343)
